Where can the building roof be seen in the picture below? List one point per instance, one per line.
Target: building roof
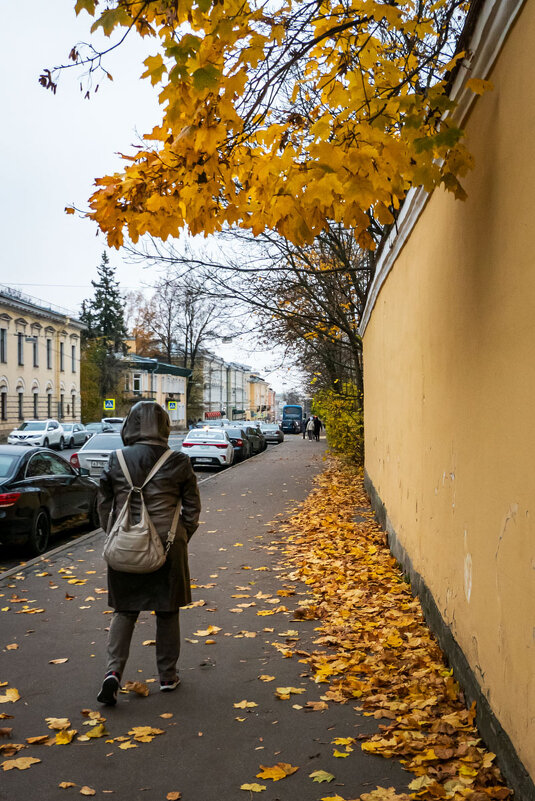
(155, 366)
(26, 304)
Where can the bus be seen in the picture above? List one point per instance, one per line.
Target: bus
(292, 415)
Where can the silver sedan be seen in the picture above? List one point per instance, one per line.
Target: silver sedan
(94, 455)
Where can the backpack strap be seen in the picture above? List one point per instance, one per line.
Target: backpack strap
(161, 461)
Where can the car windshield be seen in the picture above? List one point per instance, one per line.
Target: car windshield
(234, 432)
(34, 425)
(6, 464)
(209, 433)
(104, 442)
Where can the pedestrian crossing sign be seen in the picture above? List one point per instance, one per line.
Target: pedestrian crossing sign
(109, 404)
(172, 406)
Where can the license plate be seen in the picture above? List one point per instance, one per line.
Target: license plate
(97, 464)
(204, 461)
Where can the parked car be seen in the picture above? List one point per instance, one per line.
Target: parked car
(208, 446)
(218, 422)
(257, 438)
(115, 422)
(41, 494)
(272, 432)
(98, 428)
(75, 434)
(38, 432)
(94, 455)
(243, 447)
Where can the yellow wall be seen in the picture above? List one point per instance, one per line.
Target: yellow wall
(450, 396)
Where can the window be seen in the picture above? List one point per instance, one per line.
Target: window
(49, 354)
(73, 358)
(137, 383)
(61, 399)
(127, 383)
(21, 403)
(3, 345)
(49, 405)
(47, 464)
(73, 403)
(62, 356)
(35, 405)
(3, 405)
(35, 352)
(20, 348)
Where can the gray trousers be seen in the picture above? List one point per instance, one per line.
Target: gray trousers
(167, 642)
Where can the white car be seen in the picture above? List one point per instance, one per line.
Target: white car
(38, 432)
(206, 446)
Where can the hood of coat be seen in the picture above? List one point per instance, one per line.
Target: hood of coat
(147, 422)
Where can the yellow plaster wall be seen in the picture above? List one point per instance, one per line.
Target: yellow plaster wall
(449, 358)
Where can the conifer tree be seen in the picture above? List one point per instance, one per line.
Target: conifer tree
(106, 334)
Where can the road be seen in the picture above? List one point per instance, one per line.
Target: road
(11, 557)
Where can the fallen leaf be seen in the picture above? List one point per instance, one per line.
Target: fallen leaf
(265, 677)
(97, 731)
(254, 787)
(66, 785)
(149, 642)
(127, 745)
(58, 724)
(12, 646)
(65, 736)
(244, 704)
(87, 791)
(173, 796)
(138, 687)
(42, 738)
(58, 661)
(285, 692)
(207, 632)
(22, 763)
(321, 776)
(166, 715)
(10, 696)
(276, 772)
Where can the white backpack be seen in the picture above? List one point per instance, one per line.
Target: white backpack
(137, 547)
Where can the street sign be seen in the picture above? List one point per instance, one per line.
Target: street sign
(109, 405)
(172, 405)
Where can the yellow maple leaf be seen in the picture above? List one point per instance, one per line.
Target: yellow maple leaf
(58, 724)
(244, 704)
(276, 772)
(10, 696)
(65, 736)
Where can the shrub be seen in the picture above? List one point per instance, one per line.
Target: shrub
(341, 412)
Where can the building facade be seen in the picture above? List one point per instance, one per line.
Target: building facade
(233, 391)
(39, 361)
(449, 356)
(151, 379)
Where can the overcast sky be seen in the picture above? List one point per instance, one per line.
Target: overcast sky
(53, 148)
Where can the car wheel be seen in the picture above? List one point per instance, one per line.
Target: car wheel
(71, 442)
(61, 444)
(45, 442)
(38, 539)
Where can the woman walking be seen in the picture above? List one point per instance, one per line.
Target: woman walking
(310, 428)
(145, 433)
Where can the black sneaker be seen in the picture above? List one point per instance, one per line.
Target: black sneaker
(109, 690)
(169, 686)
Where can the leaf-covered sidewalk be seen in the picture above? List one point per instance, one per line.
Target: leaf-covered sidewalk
(375, 648)
(305, 662)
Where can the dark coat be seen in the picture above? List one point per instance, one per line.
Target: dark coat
(145, 433)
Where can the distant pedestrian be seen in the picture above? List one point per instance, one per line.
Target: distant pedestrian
(145, 434)
(310, 428)
(317, 427)
(304, 426)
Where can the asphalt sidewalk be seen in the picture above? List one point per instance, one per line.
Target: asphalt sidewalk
(236, 632)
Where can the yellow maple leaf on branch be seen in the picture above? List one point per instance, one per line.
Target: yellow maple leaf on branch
(284, 119)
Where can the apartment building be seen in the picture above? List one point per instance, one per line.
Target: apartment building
(39, 360)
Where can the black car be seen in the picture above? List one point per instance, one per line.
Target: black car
(258, 440)
(41, 494)
(243, 447)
